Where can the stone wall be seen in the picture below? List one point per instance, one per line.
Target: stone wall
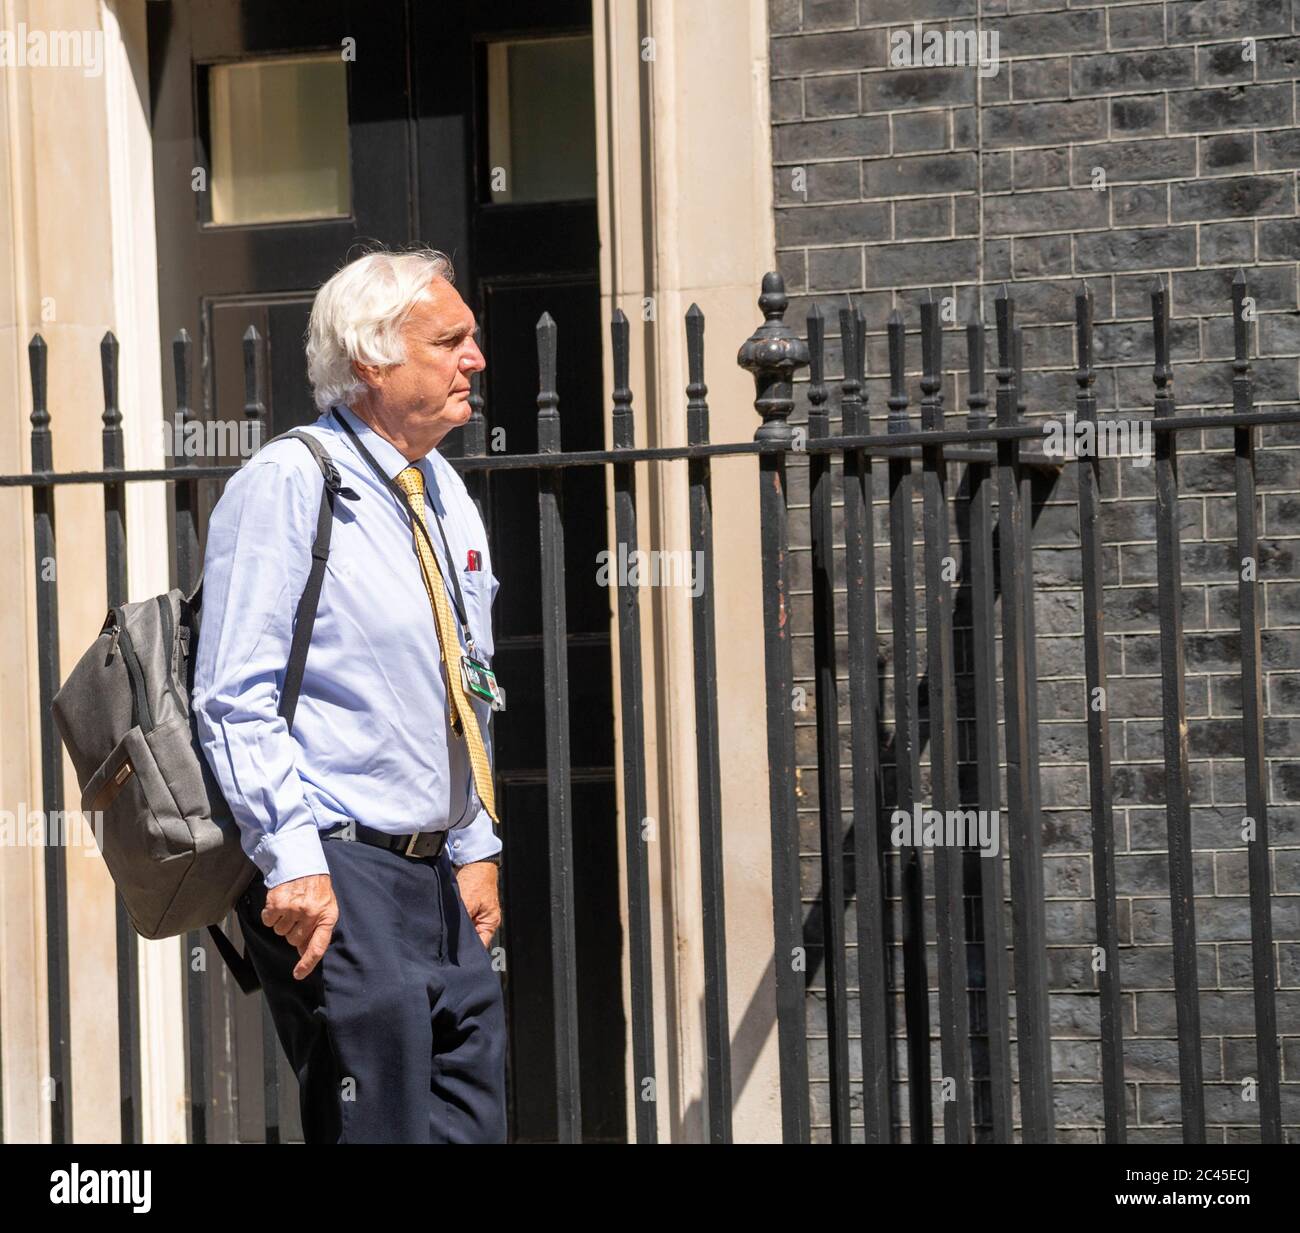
(1114, 144)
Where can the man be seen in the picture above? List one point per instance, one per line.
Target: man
(371, 951)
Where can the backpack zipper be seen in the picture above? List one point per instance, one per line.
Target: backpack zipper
(169, 641)
(140, 711)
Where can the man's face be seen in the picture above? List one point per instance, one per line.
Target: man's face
(428, 393)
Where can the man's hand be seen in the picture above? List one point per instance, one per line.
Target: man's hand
(478, 891)
(305, 912)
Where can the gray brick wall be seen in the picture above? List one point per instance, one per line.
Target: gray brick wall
(891, 180)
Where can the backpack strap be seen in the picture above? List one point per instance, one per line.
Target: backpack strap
(241, 967)
(305, 616)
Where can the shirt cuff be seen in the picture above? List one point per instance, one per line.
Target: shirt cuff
(475, 842)
(284, 855)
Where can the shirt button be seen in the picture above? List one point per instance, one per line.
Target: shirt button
(455, 843)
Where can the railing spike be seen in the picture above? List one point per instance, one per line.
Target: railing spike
(37, 363)
(108, 352)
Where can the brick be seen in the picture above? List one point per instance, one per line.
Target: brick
(830, 138)
(1141, 114)
(996, 89)
(787, 99)
(835, 269)
(822, 182)
(1278, 59)
(1038, 255)
(1235, 197)
(996, 171)
(792, 265)
(1223, 63)
(927, 130)
(1279, 334)
(784, 16)
(1160, 159)
(832, 96)
(997, 259)
(1046, 301)
(1062, 210)
(917, 87)
(1278, 149)
(1139, 24)
(1040, 168)
(832, 224)
(823, 53)
(965, 129)
(1144, 249)
(1278, 239)
(1041, 34)
(1193, 20)
(1204, 292)
(1151, 1061)
(1040, 78)
(908, 11)
(1227, 242)
(936, 262)
(1134, 204)
(929, 217)
(966, 215)
(901, 177)
(1044, 123)
(1128, 72)
(1232, 107)
(829, 14)
(1228, 152)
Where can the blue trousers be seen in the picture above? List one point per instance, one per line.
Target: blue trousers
(398, 1034)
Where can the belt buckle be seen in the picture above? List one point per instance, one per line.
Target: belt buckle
(433, 847)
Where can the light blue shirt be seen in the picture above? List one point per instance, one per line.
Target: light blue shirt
(371, 737)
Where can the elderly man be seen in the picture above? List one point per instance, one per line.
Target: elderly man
(372, 952)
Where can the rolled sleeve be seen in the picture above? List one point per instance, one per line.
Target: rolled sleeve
(476, 841)
(255, 567)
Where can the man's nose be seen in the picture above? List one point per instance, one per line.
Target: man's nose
(473, 360)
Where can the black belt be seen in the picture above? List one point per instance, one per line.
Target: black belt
(423, 845)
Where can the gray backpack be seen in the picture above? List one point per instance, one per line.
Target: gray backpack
(167, 836)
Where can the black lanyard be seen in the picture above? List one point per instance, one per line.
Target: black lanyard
(417, 521)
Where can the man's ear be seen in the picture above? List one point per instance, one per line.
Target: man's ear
(371, 374)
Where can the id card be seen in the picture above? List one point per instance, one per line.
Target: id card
(481, 681)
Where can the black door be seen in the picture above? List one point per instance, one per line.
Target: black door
(288, 137)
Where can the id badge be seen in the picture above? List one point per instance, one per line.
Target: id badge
(481, 681)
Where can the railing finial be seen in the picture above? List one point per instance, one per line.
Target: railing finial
(108, 350)
(772, 353)
(38, 366)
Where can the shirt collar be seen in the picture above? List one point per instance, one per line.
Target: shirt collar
(384, 452)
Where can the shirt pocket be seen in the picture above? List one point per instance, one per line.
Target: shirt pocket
(479, 587)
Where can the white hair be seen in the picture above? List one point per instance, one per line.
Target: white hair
(358, 315)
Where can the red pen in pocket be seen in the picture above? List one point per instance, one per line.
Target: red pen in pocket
(473, 560)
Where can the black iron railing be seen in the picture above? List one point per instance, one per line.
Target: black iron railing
(996, 585)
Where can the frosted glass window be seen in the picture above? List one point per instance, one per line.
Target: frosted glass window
(541, 120)
(278, 136)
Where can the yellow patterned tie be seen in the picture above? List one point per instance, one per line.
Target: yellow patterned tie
(464, 720)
